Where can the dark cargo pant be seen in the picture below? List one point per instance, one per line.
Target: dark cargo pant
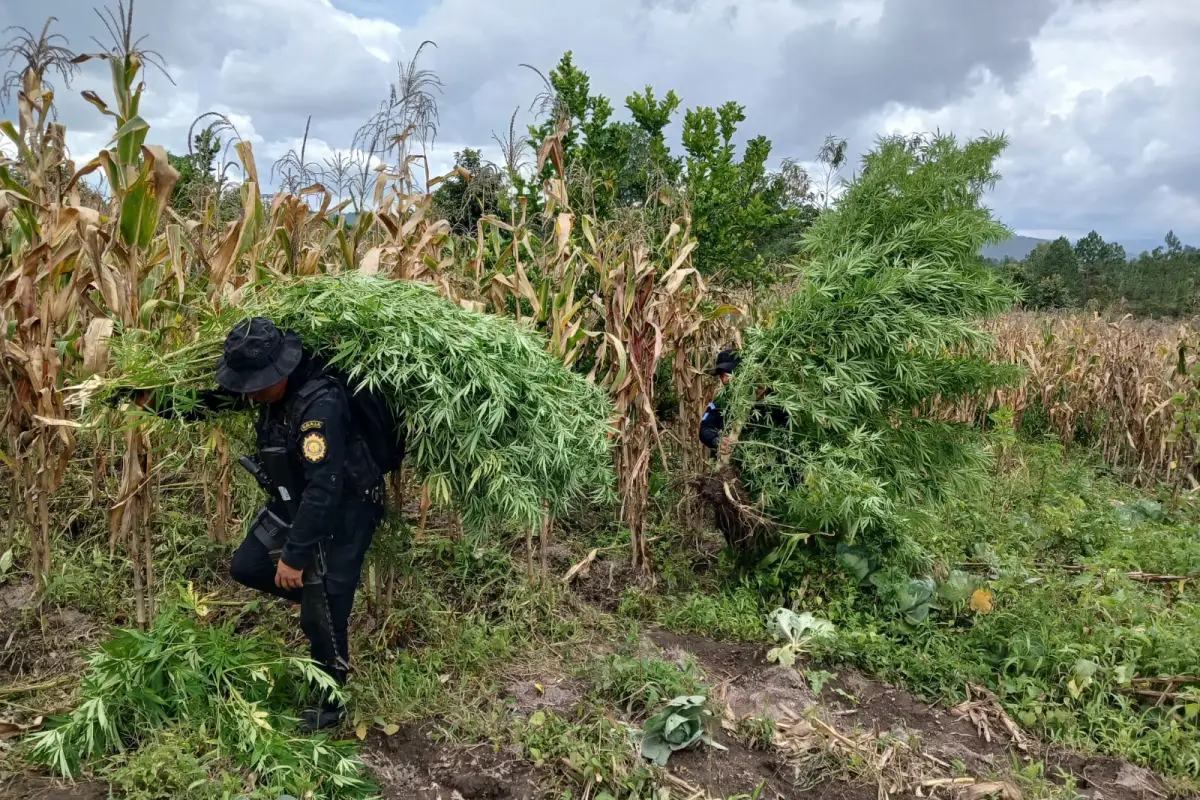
(324, 606)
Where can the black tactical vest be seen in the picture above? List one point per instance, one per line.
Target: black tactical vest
(278, 425)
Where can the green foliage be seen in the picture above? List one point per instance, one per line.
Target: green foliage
(738, 208)
(746, 218)
(588, 751)
(756, 732)
(682, 724)
(795, 633)
(197, 179)
(640, 685)
(884, 323)
(177, 764)
(495, 423)
(229, 689)
(1164, 282)
(463, 200)
(1060, 647)
(817, 678)
(735, 615)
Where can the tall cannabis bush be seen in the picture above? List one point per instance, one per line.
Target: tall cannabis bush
(883, 323)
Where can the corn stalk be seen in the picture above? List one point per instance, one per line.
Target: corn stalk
(40, 286)
(650, 301)
(1113, 382)
(131, 264)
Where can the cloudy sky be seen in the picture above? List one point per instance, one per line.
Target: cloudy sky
(1099, 97)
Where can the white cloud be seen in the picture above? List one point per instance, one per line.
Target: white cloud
(1097, 96)
(1100, 126)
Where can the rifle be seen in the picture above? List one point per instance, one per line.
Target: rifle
(274, 476)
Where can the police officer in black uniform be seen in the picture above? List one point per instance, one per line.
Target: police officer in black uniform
(335, 493)
(713, 421)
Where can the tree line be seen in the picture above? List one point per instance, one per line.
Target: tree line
(1099, 275)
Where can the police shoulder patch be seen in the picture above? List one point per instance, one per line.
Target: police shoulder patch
(313, 447)
(312, 425)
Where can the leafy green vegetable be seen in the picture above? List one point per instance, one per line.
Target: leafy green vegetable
(912, 599)
(957, 588)
(796, 632)
(677, 727)
(855, 561)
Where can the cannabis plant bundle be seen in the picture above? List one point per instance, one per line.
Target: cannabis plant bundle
(494, 423)
(226, 687)
(883, 324)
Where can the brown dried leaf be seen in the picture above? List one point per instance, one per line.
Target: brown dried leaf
(582, 567)
(95, 345)
(1005, 789)
(370, 261)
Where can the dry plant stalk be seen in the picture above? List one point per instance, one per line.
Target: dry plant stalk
(43, 282)
(650, 300)
(1111, 381)
(896, 766)
(985, 712)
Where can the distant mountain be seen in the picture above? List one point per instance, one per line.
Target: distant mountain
(1016, 247)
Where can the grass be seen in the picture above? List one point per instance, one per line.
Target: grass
(639, 686)
(1051, 539)
(756, 732)
(586, 751)
(467, 627)
(1061, 647)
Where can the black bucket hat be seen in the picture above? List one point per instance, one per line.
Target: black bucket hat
(727, 362)
(257, 356)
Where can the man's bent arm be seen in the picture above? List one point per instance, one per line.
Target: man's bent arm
(711, 425)
(208, 402)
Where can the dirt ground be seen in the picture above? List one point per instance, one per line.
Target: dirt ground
(866, 717)
(751, 686)
(35, 787)
(410, 766)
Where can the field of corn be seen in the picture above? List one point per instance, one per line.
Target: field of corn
(1049, 612)
(1122, 385)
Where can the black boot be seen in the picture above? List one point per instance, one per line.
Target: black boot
(320, 718)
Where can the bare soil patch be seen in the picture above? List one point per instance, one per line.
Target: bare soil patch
(603, 583)
(36, 787)
(34, 645)
(752, 686)
(409, 765)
